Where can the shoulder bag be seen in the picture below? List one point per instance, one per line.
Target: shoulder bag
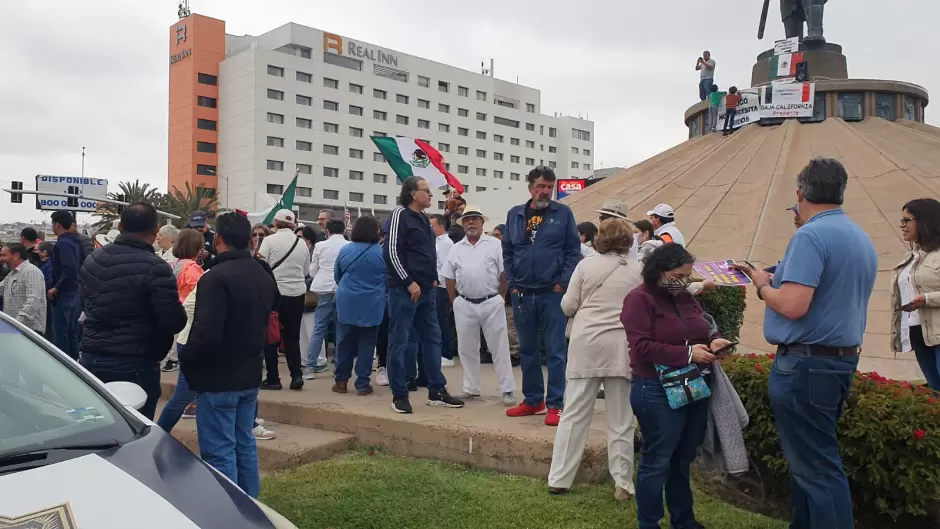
(570, 323)
(686, 384)
(274, 319)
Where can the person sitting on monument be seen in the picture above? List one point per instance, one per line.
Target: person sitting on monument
(731, 109)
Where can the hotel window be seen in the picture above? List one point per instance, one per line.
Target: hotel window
(276, 71)
(575, 150)
(304, 52)
(530, 127)
(463, 112)
(504, 103)
(355, 153)
(552, 149)
(498, 156)
(481, 171)
(403, 99)
(331, 172)
(443, 147)
(514, 176)
(377, 157)
(481, 96)
(354, 110)
(506, 122)
(377, 133)
(330, 83)
(479, 188)
(481, 116)
(330, 194)
(379, 178)
(441, 107)
(355, 132)
(304, 191)
(304, 123)
(443, 86)
(530, 161)
(355, 175)
(481, 153)
(498, 138)
(355, 197)
(401, 120)
(275, 142)
(541, 130)
(304, 77)
(552, 132)
(586, 152)
(424, 124)
(580, 134)
(379, 94)
(206, 124)
(462, 131)
(208, 102)
(441, 204)
(205, 78)
(331, 149)
(424, 103)
(574, 165)
(513, 158)
(443, 127)
(530, 108)
(514, 141)
(587, 166)
(304, 100)
(355, 88)
(551, 164)
(304, 168)
(332, 128)
(275, 165)
(463, 150)
(498, 174)
(276, 118)
(379, 199)
(379, 115)
(530, 144)
(276, 95)
(330, 105)
(423, 81)
(463, 91)
(274, 189)
(463, 169)
(304, 145)
(204, 146)
(481, 135)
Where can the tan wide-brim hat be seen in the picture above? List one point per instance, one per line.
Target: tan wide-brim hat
(614, 208)
(472, 211)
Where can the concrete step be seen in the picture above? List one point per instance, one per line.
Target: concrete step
(293, 446)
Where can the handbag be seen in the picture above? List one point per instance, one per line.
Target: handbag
(683, 385)
(570, 323)
(273, 333)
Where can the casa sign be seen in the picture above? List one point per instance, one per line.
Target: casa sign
(569, 187)
(340, 46)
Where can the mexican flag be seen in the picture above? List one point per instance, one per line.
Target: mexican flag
(286, 201)
(784, 65)
(410, 157)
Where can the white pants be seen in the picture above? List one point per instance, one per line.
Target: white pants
(490, 316)
(306, 331)
(580, 396)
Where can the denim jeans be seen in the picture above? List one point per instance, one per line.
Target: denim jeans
(443, 321)
(406, 318)
(806, 395)
(730, 113)
(66, 308)
(324, 316)
(355, 343)
(540, 315)
(223, 424)
(705, 88)
(143, 372)
(670, 441)
(181, 398)
(927, 356)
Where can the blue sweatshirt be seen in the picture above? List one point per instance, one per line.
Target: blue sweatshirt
(409, 248)
(66, 260)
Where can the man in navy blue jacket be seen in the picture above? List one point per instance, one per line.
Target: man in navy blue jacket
(411, 259)
(65, 296)
(541, 247)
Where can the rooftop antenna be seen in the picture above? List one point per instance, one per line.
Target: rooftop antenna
(184, 9)
(483, 69)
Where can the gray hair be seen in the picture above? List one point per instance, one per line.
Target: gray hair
(327, 211)
(823, 181)
(170, 231)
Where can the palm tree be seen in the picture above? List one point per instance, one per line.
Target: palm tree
(129, 192)
(184, 202)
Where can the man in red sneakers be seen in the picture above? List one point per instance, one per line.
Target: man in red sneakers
(541, 248)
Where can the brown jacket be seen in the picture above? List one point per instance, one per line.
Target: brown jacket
(927, 284)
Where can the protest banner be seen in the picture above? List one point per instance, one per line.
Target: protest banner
(721, 273)
(787, 99)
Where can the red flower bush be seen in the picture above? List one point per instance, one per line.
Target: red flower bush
(919, 434)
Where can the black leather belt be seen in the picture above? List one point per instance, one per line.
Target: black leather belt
(477, 301)
(816, 350)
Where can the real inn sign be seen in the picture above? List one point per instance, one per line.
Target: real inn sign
(335, 44)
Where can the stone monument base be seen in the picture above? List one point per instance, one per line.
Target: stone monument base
(825, 63)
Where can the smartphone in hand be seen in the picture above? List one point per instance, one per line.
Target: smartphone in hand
(725, 349)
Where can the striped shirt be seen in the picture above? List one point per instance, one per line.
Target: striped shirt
(24, 296)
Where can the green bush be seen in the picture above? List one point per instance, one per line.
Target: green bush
(726, 305)
(889, 436)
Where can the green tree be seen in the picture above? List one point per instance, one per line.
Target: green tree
(130, 192)
(184, 202)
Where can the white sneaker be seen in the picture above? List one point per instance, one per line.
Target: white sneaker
(262, 433)
(381, 378)
(309, 373)
(259, 421)
(447, 363)
(509, 399)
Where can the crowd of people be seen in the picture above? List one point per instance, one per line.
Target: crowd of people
(612, 307)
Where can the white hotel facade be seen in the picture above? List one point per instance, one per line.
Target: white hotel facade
(298, 98)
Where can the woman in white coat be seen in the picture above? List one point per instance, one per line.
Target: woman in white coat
(597, 353)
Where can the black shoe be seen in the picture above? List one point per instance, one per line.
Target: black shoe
(170, 366)
(272, 385)
(297, 384)
(442, 398)
(401, 405)
(421, 382)
(412, 385)
(514, 361)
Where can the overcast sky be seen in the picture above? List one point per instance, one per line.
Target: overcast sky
(94, 74)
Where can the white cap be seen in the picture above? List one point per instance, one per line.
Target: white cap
(662, 210)
(284, 215)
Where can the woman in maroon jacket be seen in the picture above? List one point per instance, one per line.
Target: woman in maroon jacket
(665, 326)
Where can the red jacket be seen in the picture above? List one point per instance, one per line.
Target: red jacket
(655, 333)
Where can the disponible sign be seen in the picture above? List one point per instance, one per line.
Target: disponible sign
(73, 185)
(787, 100)
(569, 187)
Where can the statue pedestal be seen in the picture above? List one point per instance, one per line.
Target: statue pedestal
(825, 62)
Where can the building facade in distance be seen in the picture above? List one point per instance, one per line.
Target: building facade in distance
(301, 99)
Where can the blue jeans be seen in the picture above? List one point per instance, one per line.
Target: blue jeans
(535, 315)
(705, 88)
(323, 318)
(66, 309)
(223, 424)
(670, 441)
(181, 398)
(353, 342)
(806, 395)
(407, 317)
(927, 356)
(730, 113)
(143, 372)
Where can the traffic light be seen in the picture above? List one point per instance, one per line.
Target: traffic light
(72, 202)
(17, 198)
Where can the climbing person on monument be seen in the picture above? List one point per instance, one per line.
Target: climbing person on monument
(731, 110)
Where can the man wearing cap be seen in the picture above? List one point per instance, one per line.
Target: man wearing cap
(197, 221)
(541, 248)
(663, 219)
(287, 255)
(476, 285)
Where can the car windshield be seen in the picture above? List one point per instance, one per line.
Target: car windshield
(45, 405)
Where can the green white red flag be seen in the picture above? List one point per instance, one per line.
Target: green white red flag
(784, 65)
(412, 157)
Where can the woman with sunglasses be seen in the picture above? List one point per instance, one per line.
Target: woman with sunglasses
(915, 292)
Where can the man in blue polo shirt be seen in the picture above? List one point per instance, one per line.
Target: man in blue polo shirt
(817, 303)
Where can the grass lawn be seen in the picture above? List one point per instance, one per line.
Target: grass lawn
(362, 491)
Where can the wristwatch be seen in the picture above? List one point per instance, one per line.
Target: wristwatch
(759, 296)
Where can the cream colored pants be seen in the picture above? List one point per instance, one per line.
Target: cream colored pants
(571, 436)
(490, 316)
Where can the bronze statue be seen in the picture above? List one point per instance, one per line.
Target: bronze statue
(794, 13)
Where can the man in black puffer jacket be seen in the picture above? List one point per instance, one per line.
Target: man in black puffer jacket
(132, 307)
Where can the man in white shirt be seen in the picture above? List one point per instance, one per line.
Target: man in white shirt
(324, 286)
(287, 255)
(706, 65)
(663, 219)
(476, 284)
(24, 289)
(443, 245)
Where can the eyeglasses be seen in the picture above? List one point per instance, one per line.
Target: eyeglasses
(425, 189)
(905, 220)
